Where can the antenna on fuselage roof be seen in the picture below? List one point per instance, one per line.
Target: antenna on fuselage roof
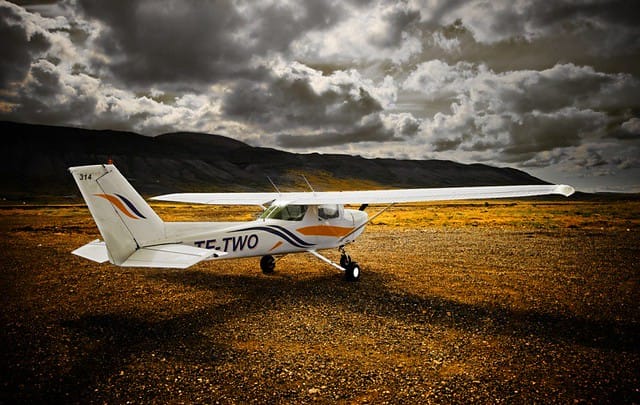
(308, 184)
(274, 185)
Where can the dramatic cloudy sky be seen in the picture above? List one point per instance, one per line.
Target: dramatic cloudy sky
(550, 87)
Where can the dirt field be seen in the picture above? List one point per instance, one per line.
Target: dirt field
(509, 302)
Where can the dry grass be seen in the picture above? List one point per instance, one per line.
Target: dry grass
(517, 213)
(542, 215)
(514, 301)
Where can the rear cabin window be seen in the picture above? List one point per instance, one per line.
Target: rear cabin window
(328, 211)
(285, 212)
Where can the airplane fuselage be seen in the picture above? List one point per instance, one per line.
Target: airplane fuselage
(313, 230)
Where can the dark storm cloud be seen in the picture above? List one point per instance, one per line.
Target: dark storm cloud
(45, 99)
(629, 130)
(278, 25)
(290, 102)
(555, 89)
(538, 34)
(397, 20)
(162, 41)
(543, 132)
(18, 45)
(159, 42)
(502, 19)
(373, 131)
(571, 15)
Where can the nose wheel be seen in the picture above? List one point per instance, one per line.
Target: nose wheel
(352, 272)
(352, 269)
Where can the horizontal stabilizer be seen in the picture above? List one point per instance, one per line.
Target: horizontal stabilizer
(167, 256)
(170, 256)
(96, 251)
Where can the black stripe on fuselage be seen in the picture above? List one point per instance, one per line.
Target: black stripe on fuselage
(280, 232)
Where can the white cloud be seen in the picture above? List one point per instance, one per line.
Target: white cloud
(561, 116)
(339, 81)
(632, 126)
(403, 125)
(376, 32)
(437, 79)
(447, 44)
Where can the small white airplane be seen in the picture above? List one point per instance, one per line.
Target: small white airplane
(292, 222)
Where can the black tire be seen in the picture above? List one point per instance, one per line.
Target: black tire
(345, 260)
(353, 272)
(267, 264)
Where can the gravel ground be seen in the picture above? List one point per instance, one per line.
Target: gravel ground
(471, 314)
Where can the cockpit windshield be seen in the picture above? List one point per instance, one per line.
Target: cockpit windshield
(285, 212)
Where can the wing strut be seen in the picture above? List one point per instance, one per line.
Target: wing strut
(369, 220)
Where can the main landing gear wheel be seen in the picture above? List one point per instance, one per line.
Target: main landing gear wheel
(267, 264)
(352, 272)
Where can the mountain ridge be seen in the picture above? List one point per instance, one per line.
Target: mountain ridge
(36, 157)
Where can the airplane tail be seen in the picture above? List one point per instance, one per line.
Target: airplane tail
(124, 219)
(134, 235)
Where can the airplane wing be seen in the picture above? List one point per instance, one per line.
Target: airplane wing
(370, 196)
(222, 198)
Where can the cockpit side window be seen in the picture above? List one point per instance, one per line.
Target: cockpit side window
(285, 212)
(328, 211)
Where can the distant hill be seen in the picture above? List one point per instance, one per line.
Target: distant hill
(34, 161)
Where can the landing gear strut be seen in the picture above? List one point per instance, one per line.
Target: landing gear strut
(345, 259)
(267, 264)
(351, 269)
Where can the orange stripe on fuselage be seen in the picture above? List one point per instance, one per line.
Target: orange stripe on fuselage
(113, 200)
(325, 230)
(277, 245)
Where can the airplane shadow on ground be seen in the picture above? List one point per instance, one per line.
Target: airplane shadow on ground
(372, 296)
(119, 338)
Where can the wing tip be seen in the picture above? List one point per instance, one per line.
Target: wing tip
(564, 189)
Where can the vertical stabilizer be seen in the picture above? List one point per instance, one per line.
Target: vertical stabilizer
(125, 220)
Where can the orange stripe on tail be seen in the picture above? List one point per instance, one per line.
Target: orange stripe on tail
(118, 204)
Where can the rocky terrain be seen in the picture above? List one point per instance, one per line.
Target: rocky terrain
(457, 304)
